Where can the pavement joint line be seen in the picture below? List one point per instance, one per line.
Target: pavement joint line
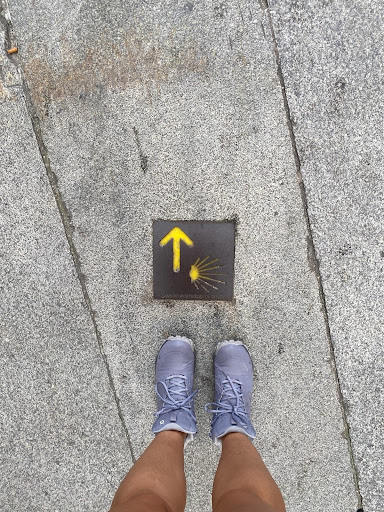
(65, 216)
(312, 257)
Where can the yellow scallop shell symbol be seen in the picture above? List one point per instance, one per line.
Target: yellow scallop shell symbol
(202, 271)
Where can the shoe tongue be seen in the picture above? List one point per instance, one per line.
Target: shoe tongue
(232, 397)
(177, 387)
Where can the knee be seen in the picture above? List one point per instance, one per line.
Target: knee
(144, 502)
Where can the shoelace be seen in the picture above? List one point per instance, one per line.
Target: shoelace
(176, 395)
(231, 400)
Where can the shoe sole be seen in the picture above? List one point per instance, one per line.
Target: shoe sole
(183, 338)
(230, 342)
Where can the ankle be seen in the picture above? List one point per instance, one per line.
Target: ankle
(236, 441)
(171, 436)
(235, 437)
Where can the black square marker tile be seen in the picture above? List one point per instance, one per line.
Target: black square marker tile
(193, 260)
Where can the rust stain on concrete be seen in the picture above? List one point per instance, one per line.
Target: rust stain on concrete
(106, 65)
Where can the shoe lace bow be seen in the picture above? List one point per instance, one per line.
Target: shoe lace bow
(176, 395)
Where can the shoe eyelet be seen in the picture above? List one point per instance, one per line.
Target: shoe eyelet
(161, 422)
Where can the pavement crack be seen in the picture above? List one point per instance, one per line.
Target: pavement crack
(263, 30)
(65, 216)
(313, 261)
(241, 15)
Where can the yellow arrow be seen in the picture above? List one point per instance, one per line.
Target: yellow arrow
(176, 234)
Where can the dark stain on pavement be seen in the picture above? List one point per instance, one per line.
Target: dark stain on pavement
(338, 96)
(220, 11)
(346, 250)
(143, 158)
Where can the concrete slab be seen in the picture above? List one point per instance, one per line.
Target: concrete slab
(332, 61)
(174, 111)
(62, 444)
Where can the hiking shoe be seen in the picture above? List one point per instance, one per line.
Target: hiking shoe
(233, 391)
(175, 365)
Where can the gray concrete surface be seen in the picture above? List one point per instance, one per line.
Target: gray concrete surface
(62, 446)
(332, 58)
(199, 87)
(175, 110)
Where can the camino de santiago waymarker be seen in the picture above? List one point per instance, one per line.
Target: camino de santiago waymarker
(193, 260)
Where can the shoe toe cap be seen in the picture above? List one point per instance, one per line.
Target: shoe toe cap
(234, 360)
(175, 356)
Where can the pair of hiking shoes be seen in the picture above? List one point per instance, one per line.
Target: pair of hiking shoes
(175, 366)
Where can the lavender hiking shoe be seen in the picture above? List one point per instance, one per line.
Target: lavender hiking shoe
(233, 391)
(175, 366)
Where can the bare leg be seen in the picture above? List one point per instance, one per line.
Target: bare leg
(156, 482)
(242, 482)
